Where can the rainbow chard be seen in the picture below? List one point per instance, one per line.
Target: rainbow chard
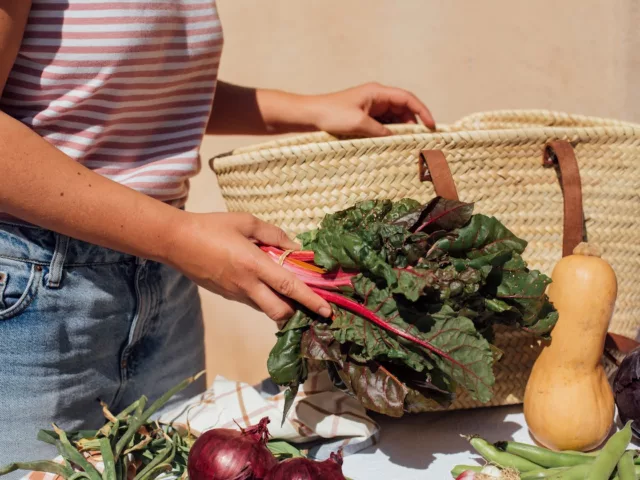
(416, 290)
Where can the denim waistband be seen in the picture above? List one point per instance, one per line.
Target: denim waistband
(44, 247)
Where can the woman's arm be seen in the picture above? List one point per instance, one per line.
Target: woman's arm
(42, 185)
(250, 111)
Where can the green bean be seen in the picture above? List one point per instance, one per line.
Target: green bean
(460, 469)
(637, 472)
(544, 457)
(593, 453)
(503, 459)
(542, 473)
(626, 468)
(579, 472)
(606, 461)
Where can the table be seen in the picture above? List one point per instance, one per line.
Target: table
(427, 446)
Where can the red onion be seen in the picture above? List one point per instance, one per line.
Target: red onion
(227, 454)
(307, 469)
(626, 388)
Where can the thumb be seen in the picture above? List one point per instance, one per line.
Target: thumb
(371, 128)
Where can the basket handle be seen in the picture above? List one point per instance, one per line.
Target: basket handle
(560, 153)
(433, 167)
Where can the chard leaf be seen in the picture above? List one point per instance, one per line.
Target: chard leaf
(285, 364)
(482, 236)
(465, 356)
(438, 282)
(373, 384)
(376, 343)
(472, 367)
(335, 248)
(444, 214)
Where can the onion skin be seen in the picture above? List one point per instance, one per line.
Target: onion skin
(307, 469)
(626, 389)
(228, 454)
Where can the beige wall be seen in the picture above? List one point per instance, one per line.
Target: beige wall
(458, 56)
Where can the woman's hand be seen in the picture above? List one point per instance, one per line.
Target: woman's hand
(361, 110)
(218, 251)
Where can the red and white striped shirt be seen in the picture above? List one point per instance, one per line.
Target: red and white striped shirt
(125, 87)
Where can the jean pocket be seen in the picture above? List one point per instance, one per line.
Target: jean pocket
(19, 283)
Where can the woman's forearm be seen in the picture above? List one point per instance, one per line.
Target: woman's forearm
(249, 111)
(43, 186)
(355, 111)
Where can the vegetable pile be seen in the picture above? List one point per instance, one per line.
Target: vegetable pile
(519, 461)
(129, 444)
(416, 291)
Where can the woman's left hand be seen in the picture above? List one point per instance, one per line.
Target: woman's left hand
(362, 110)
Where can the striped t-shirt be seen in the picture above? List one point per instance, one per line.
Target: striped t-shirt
(125, 87)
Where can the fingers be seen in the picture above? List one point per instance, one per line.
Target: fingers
(288, 285)
(369, 127)
(396, 97)
(276, 308)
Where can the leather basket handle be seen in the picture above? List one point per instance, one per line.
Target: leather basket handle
(560, 153)
(433, 167)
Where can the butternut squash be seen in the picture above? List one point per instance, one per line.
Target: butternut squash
(568, 403)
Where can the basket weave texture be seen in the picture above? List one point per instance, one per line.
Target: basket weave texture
(496, 161)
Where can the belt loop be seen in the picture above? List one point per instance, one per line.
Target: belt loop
(57, 261)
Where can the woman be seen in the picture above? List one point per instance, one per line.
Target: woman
(103, 106)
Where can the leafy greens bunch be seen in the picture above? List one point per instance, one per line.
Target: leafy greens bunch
(416, 290)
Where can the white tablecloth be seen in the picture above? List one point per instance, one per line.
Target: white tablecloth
(428, 446)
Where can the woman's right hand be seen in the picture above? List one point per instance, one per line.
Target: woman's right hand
(218, 251)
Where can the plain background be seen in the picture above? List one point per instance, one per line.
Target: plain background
(459, 57)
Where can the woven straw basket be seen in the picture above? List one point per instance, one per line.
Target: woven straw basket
(494, 159)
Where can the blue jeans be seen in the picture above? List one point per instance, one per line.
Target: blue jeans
(81, 323)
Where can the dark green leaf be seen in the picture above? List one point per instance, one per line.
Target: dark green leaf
(483, 236)
(285, 363)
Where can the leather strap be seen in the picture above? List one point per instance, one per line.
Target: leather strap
(433, 167)
(560, 153)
